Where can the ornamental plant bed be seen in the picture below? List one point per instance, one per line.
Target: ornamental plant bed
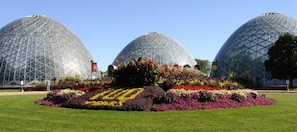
(185, 87)
(181, 99)
(141, 85)
(138, 99)
(152, 98)
(91, 88)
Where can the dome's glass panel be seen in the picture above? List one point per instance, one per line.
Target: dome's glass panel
(246, 49)
(156, 45)
(37, 48)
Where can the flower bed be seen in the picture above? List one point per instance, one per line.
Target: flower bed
(113, 97)
(152, 98)
(180, 89)
(181, 99)
(57, 97)
(139, 99)
(91, 88)
(188, 87)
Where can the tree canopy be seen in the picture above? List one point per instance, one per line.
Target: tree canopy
(282, 61)
(204, 65)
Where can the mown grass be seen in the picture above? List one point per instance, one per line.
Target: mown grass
(20, 113)
(9, 90)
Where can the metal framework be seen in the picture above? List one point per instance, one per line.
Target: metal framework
(37, 48)
(246, 49)
(156, 45)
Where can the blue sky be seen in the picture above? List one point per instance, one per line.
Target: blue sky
(106, 27)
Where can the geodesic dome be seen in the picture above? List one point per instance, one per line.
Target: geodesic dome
(246, 49)
(37, 48)
(156, 45)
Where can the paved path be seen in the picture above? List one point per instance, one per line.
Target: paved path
(22, 93)
(275, 91)
(45, 92)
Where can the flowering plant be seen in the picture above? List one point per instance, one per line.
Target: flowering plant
(144, 86)
(141, 72)
(114, 97)
(181, 99)
(57, 97)
(196, 87)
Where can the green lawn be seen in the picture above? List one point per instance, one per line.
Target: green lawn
(9, 90)
(20, 113)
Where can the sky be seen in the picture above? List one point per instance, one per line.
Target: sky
(107, 26)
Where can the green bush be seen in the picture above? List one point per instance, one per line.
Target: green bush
(142, 72)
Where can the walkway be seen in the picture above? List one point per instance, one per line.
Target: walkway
(275, 91)
(45, 92)
(22, 93)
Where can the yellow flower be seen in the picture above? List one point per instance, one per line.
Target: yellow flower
(114, 97)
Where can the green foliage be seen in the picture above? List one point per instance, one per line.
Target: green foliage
(58, 97)
(142, 72)
(244, 79)
(283, 57)
(237, 97)
(204, 65)
(206, 96)
(71, 82)
(176, 75)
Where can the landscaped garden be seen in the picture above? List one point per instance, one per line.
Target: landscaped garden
(142, 85)
(188, 100)
(21, 114)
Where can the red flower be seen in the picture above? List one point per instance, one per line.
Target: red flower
(196, 87)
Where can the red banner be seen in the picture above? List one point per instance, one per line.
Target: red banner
(94, 67)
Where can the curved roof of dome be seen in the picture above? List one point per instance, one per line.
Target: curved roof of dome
(246, 49)
(37, 48)
(156, 45)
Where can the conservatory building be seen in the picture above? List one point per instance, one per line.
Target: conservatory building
(156, 45)
(36, 48)
(246, 49)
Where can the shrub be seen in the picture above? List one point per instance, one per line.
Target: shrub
(205, 96)
(142, 72)
(58, 97)
(79, 102)
(176, 75)
(221, 101)
(152, 92)
(138, 104)
(237, 97)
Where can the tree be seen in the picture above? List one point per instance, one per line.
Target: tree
(204, 65)
(282, 62)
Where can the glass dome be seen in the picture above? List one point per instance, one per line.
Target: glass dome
(156, 45)
(246, 49)
(37, 48)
